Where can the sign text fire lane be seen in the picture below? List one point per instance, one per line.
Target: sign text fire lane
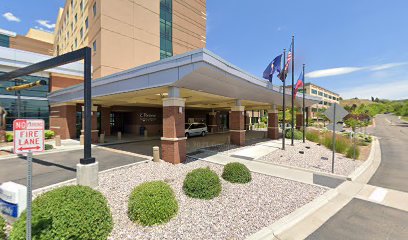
(28, 135)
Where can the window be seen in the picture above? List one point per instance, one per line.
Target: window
(76, 18)
(314, 91)
(4, 41)
(94, 46)
(67, 35)
(320, 93)
(72, 27)
(76, 43)
(82, 5)
(72, 4)
(81, 32)
(325, 95)
(86, 23)
(94, 9)
(166, 29)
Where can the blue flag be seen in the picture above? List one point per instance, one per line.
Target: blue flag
(275, 65)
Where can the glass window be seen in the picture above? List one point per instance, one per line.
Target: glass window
(314, 91)
(86, 23)
(320, 93)
(82, 6)
(166, 31)
(72, 3)
(76, 18)
(94, 46)
(82, 33)
(325, 95)
(4, 41)
(94, 9)
(76, 43)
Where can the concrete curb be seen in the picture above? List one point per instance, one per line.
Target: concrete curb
(367, 163)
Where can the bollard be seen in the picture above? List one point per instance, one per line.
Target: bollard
(156, 154)
(145, 132)
(81, 139)
(57, 140)
(102, 138)
(119, 136)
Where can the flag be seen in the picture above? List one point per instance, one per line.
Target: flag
(275, 65)
(282, 76)
(299, 83)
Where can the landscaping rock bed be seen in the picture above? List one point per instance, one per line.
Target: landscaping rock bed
(239, 211)
(312, 158)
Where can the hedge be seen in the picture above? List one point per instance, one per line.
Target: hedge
(202, 183)
(236, 173)
(70, 212)
(2, 228)
(152, 203)
(49, 134)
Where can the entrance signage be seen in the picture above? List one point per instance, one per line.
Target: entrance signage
(28, 135)
(13, 199)
(148, 117)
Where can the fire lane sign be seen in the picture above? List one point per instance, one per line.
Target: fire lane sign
(28, 135)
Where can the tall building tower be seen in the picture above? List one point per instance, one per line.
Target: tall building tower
(128, 33)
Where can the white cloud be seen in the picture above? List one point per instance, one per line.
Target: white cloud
(332, 72)
(46, 24)
(42, 29)
(385, 90)
(346, 70)
(10, 17)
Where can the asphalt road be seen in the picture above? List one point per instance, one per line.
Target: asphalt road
(361, 219)
(57, 167)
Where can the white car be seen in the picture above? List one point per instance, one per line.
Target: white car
(196, 129)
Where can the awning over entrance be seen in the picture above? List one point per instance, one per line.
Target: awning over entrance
(205, 80)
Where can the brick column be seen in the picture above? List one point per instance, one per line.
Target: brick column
(237, 127)
(299, 119)
(94, 131)
(212, 126)
(273, 121)
(63, 120)
(173, 141)
(105, 120)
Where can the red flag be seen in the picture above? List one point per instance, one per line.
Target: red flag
(299, 84)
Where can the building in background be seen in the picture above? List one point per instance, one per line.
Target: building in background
(35, 41)
(127, 33)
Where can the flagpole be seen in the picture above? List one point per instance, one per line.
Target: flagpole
(293, 84)
(303, 110)
(284, 104)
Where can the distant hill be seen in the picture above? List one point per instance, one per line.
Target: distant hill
(358, 102)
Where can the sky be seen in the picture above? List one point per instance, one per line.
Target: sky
(357, 48)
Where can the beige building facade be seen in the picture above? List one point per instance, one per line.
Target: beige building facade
(328, 98)
(127, 33)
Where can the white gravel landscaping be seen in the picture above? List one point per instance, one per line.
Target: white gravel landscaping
(312, 158)
(240, 210)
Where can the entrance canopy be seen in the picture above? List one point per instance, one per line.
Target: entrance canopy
(205, 80)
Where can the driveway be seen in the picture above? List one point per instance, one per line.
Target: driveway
(361, 219)
(60, 166)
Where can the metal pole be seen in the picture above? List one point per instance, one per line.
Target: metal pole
(18, 104)
(284, 105)
(303, 106)
(88, 109)
(29, 193)
(293, 93)
(354, 143)
(334, 136)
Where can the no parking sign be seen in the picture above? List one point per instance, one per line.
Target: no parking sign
(28, 135)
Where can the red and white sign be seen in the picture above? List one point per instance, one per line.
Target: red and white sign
(28, 135)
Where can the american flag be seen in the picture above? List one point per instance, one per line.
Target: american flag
(282, 76)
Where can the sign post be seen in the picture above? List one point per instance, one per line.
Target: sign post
(335, 114)
(28, 138)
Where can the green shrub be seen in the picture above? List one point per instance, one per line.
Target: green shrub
(9, 137)
(49, 134)
(298, 135)
(2, 228)
(313, 136)
(152, 203)
(202, 183)
(70, 212)
(48, 146)
(236, 173)
(350, 152)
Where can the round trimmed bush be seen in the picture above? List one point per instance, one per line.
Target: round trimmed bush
(2, 228)
(70, 212)
(202, 183)
(298, 135)
(236, 173)
(152, 203)
(48, 147)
